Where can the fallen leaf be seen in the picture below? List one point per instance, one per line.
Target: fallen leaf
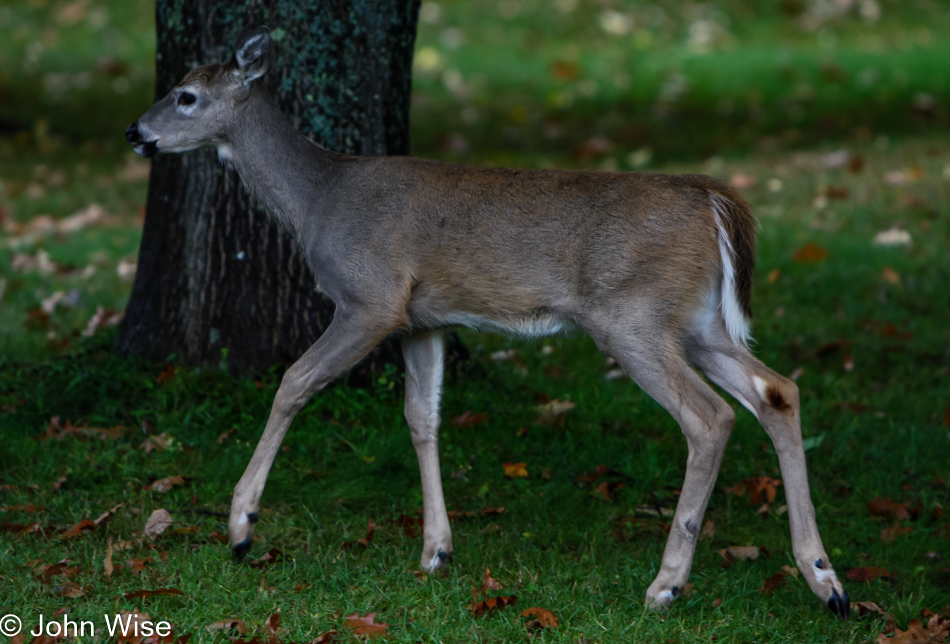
(553, 411)
(733, 554)
(159, 521)
(485, 606)
(810, 253)
(894, 531)
(364, 542)
(107, 561)
(273, 623)
(165, 484)
(138, 565)
(329, 637)
(564, 70)
(146, 594)
(159, 443)
(269, 558)
(167, 374)
(543, 618)
(709, 529)
(488, 583)
(467, 419)
(48, 571)
(366, 626)
(867, 608)
(891, 276)
(513, 470)
(761, 489)
(69, 589)
(225, 435)
(773, 582)
(228, 625)
(878, 507)
(915, 634)
(605, 490)
(868, 573)
(78, 529)
(28, 508)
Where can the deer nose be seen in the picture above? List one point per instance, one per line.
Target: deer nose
(132, 134)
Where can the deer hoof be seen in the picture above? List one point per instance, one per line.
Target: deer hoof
(840, 606)
(241, 549)
(439, 561)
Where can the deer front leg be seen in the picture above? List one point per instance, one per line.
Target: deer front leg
(348, 338)
(423, 354)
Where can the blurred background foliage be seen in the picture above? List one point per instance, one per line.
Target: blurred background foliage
(604, 84)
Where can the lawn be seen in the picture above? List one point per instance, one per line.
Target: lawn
(834, 125)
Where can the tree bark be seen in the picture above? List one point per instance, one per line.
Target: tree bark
(217, 280)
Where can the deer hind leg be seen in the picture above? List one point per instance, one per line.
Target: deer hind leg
(343, 344)
(657, 366)
(774, 401)
(424, 369)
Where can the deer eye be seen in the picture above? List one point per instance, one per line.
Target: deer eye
(186, 98)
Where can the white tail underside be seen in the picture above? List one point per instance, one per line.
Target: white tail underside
(736, 322)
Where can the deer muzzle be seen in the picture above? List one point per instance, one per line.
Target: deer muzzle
(139, 143)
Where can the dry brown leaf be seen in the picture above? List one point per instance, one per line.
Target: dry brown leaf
(513, 470)
(891, 276)
(467, 419)
(153, 443)
(878, 507)
(733, 554)
(269, 558)
(25, 509)
(868, 573)
(165, 484)
(810, 253)
(146, 594)
(138, 565)
(773, 582)
(485, 606)
(867, 608)
(78, 529)
(553, 411)
(543, 618)
(364, 542)
(892, 532)
(366, 626)
(159, 521)
(107, 561)
(69, 589)
(228, 625)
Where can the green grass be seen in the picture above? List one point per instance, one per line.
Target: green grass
(877, 429)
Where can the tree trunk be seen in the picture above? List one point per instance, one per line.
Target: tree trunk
(217, 280)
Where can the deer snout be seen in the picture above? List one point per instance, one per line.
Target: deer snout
(141, 146)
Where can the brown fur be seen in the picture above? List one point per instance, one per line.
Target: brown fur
(415, 245)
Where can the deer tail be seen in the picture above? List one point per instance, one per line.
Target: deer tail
(735, 234)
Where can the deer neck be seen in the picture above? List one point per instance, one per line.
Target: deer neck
(288, 174)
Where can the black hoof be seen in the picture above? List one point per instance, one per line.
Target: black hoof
(443, 556)
(241, 549)
(840, 606)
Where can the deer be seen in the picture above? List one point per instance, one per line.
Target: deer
(656, 268)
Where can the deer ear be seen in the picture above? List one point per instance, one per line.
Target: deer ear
(251, 54)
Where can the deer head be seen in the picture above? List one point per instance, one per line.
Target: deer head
(199, 110)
